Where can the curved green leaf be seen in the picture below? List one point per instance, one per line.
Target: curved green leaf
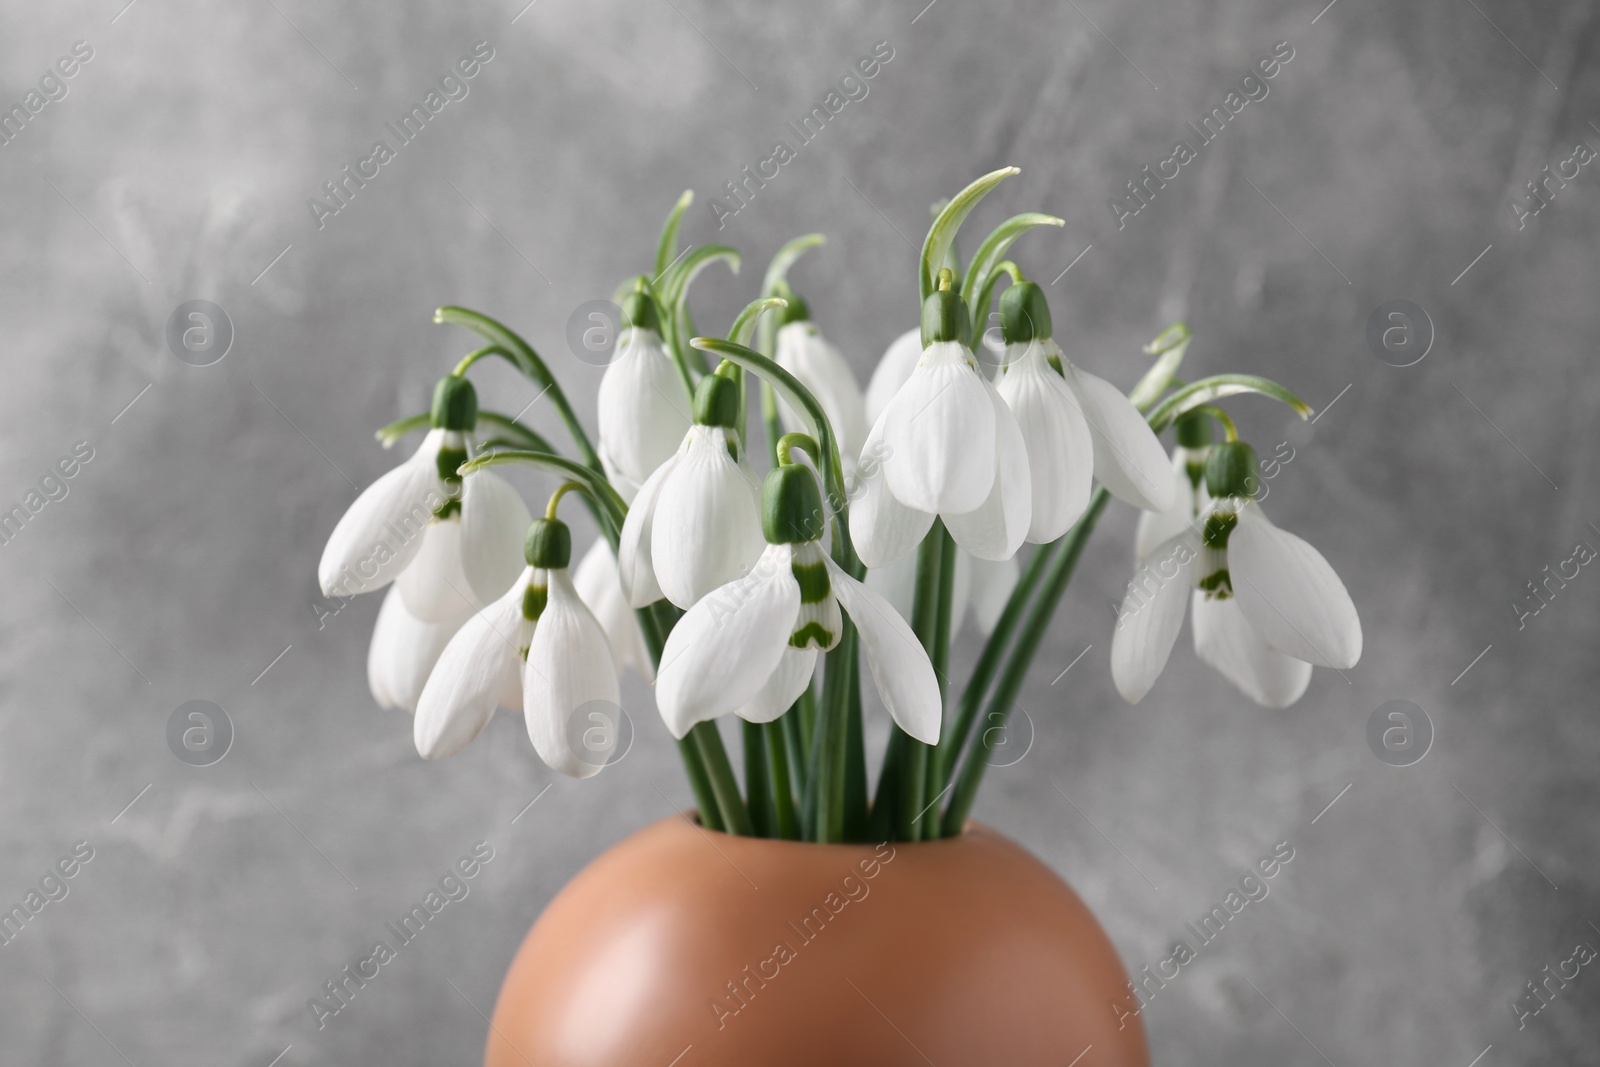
(943, 231)
(778, 269)
(980, 310)
(744, 325)
(994, 249)
(1214, 388)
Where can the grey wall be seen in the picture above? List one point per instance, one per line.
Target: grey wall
(182, 560)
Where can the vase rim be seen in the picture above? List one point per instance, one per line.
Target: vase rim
(971, 827)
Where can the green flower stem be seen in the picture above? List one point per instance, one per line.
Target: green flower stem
(954, 737)
(507, 343)
(516, 431)
(1230, 432)
(609, 508)
(855, 766)
(388, 436)
(1065, 558)
(927, 825)
(980, 308)
(1215, 388)
(884, 819)
(673, 290)
(757, 782)
(666, 247)
(986, 260)
(829, 758)
(785, 823)
(743, 326)
(724, 787)
(925, 611)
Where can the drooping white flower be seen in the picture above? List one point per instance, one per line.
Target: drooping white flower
(444, 541)
(640, 407)
(1268, 606)
(600, 585)
(538, 647)
(804, 353)
(404, 650)
(750, 647)
(1075, 424)
(696, 522)
(946, 445)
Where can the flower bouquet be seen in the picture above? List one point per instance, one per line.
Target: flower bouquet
(883, 519)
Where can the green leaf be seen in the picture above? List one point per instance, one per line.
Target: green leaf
(388, 436)
(1206, 390)
(778, 269)
(667, 246)
(943, 231)
(994, 249)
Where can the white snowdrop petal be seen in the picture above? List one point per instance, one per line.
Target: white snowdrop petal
(898, 361)
(707, 526)
(1290, 594)
(570, 695)
(783, 688)
(641, 410)
(403, 652)
(381, 532)
(897, 583)
(940, 434)
(997, 529)
(635, 562)
(1152, 614)
(436, 586)
(478, 666)
(1060, 449)
(803, 352)
(598, 583)
(992, 584)
(899, 664)
(882, 529)
(494, 523)
(726, 647)
(1157, 526)
(1128, 458)
(1230, 645)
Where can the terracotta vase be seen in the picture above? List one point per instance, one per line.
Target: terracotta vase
(682, 947)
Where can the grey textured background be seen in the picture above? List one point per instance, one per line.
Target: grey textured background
(182, 561)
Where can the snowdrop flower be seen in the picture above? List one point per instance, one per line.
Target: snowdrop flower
(538, 648)
(1189, 471)
(600, 586)
(696, 522)
(640, 409)
(1075, 424)
(1267, 606)
(404, 650)
(750, 646)
(446, 542)
(804, 353)
(947, 444)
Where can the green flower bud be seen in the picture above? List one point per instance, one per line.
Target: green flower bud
(1194, 430)
(639, 312)
(716, 401)
(455, 404)
(1231, 470)
(797, 311)
(1024, 314)
(548, 545)
(944, 316)
(791, 506)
